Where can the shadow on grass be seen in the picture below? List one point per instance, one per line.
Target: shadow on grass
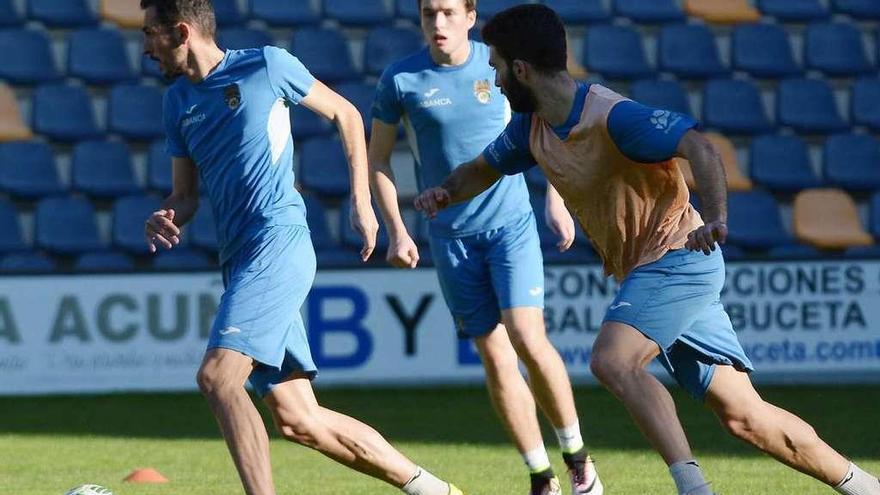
(846, 417)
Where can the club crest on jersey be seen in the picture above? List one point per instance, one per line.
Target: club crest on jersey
(483, 91)
(232, 95)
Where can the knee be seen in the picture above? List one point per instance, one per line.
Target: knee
(499, 361)
(529, 347)
(213, 383)
(610, 370)
(298, 428)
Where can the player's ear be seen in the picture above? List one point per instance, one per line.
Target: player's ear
(472, 18)
(520, 69)
(182, 33)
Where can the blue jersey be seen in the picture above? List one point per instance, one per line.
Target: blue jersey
(235, 126)
(641, 133)
(451, 114)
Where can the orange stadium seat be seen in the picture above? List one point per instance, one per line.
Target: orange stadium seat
(12, 128)
(722, 11)
(124, 13)
(736, 181)
(828, 219)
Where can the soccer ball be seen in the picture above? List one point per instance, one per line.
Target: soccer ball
(89, 490)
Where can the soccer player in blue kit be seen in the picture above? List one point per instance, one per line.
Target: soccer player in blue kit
(487, 252)
(228, 129)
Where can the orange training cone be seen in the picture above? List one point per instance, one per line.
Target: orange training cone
(146, 475)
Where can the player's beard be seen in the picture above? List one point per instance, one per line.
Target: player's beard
(520, 96)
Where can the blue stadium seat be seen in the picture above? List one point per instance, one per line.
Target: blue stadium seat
(874, 215)
(203, 229)
(862, 252)
(763, 50)
(159, 170)
(103, 169)
(860, 9)
(325, 53)
(150, 67)
(808, 106)
(781, 163)
(239, 38)
(307, 124)
(285, 12)
(361, 95)
(360, 13)
(688, 51)
(579, 11)
(536, 179)
(733, 252)
(655, 11)
(327, 249)
(11, 239)
(794, 10)
(27, 263)
(66, 225)
(129, 215)
(62, 13)
(27, 169)
(488, 8)
(754, 221)
(98, 56)
(9, 15)
(26, 57)
(352, 240)
(794, 252)
(852, 161)
(135, 111)
(182, 259)
(227, 13)
(408, 9)
(104, 261)
(63, 112)
(323, 167)
(734, 107)
(579, 252)
(664, 94)
(615, 52)
(865, 103)
(836, 49)
(385, 45)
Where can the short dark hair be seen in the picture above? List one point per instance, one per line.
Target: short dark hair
(197, 12)
(532, 33)
(469, 5)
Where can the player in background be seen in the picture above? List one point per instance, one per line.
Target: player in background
(486, 250)
(228, 130)
(611, 160)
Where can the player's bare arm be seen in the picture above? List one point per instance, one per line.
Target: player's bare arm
(558, 218)
(462, 184)
(402, 251)
(163, 226)
(712, 183)
(330, 105)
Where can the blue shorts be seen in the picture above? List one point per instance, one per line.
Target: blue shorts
(675, 301)
(484, 273)
(266, 283)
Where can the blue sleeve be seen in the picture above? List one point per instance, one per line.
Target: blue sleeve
(170, 114)
(387, 106)
(287, 75)
(645, 134)
(509, 153)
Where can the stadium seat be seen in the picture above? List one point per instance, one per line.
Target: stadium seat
(98, 56)
(27, 170)
(159, 171)
(125, 13)
(9, 15)
(794, 252)
(781, 163)
(734, 107)
(323, 167)
(722, 11)
(285, 12)
(327, 249)
(11, 239)
(352, 240)
(852, 161)
(688, 51)
(655, 11)
(12, 127)
(66, 225)
(27, 263)
(385, 45)
(828, 219)
(307, 124)
(325, 53)
(228, 13)
(239, 38)
(754, 221)
(736, 181)
(615, 52)
(579, 252)
(860, 9)
(579, 11)
(104, 261)
(794, 10)
(865, 103)
(874, 215)
(361, 95)
(129, 215)
(808, 106)
(488, 8)
(836, 49)
(62, 13)
(732, 252)
(764, 51)
(26, 57)
(202, 231)
(103, 169)
(360, 13)
(663, 94)
(862, 252)
(150, 67)
(63, 112)
(182, 259)
(407, 9)
(135, 111)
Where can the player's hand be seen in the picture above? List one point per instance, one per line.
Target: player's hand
(432, 200)
(704, 238)
(560, 222)
(363, 221)
(403, 253)
(160, 230)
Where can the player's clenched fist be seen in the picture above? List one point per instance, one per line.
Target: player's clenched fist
(432, 200)
(160, 229)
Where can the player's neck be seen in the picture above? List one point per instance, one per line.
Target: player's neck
(203, 60)
(458, 57)
(556, 96)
